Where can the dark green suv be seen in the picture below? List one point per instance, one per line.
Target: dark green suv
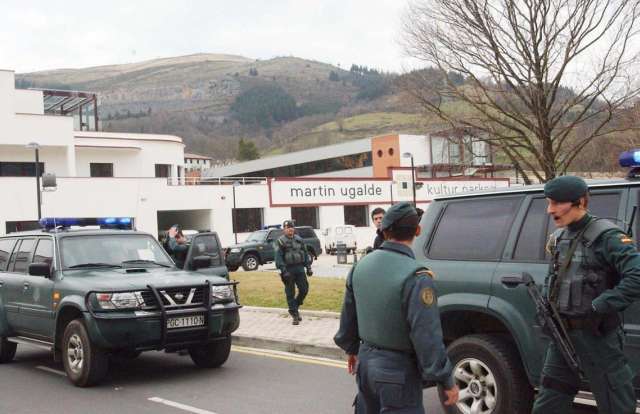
(259, 248)
(471, 242)
(87, 295)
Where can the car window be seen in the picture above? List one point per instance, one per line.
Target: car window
(348, 230)
(6, 246)
(306, 233)
(44, 252)
(206, 245)
(22, 256)
(474, 229)
(275, 234)
(533, 232)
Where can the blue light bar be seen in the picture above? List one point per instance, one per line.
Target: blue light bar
(49, 223)
(630, 158)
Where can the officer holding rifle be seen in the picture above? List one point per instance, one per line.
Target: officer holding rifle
(594, 275)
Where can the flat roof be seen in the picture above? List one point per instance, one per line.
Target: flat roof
(196, 156)
(127, 136)
(299, 157)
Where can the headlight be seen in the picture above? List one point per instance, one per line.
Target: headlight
(220, 294)
(235, 250)
(124, 300)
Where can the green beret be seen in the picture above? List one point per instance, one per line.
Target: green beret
(288, 223)
(565, 188)
(395, 213)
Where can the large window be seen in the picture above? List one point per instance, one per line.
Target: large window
(20, 169)
(346, 162)
(26, 225)
(21, 259)
(163, 170)
(247, 219)
(101, 169)
(474, 229)
(305, 216)
(6, 246)
(356, 215)
(44, 252)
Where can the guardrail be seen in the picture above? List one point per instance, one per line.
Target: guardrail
(216, 180)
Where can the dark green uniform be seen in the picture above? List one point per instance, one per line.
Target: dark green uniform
(390, 319)
(178, 252)
(292, 259)
(595, 274)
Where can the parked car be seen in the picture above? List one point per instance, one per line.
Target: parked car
(334, 235)
(494, 341)
(87, 295)
(259, 249)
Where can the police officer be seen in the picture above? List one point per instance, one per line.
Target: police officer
(594, 275)
(390, 324)
(376, 217)
(178, 246)
(292, 259)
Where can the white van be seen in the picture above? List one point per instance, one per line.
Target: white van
(345, 233)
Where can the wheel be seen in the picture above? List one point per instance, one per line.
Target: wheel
(250, 262)
(490, 376)
(83, 362)
(211, 354)
(7, 350)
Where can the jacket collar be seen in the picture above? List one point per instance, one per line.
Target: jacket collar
(398, 248)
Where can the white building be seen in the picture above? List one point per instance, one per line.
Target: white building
(195, 162)
(121, 174)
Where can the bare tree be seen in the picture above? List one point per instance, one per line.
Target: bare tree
(536, 72)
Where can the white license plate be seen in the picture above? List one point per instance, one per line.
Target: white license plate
(185, 321)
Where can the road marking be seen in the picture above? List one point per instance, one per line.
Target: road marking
(51, 370)
(290, 357)
(180, 406)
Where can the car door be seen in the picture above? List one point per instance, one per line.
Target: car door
(15, 281)
(631, 317)
(36, 309)
(268, 251)
(6, 248)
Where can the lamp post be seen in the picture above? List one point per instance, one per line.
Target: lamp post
(413, 176)
(233, 214)
(35, 146)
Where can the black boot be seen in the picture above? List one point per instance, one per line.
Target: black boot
(294, 316)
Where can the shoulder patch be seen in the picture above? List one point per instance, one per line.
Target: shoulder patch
(427, 296)
(625, 239)
(426, 272)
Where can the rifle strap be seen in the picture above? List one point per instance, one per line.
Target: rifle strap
(560, 386)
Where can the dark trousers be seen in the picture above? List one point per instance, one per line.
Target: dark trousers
(388, 382)
(605, 367)
(298, 278)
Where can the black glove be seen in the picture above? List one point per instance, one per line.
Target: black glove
(309, 271)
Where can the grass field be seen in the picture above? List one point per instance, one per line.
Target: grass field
(266, 289)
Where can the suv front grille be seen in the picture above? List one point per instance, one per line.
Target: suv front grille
(180, 297)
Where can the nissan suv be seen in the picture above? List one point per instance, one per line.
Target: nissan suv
(259, 248)
(494, 341)
(87, 295)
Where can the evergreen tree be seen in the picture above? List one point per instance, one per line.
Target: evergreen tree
(247, 151)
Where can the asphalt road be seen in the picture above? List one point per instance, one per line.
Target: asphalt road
(251, 381)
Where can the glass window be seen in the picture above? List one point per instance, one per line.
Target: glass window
(247, 219)
(474, 229)
(163, 170)
(275, 234)
(101, 169)
(44, 252)
(356, 215)
(306, 232)
(532, 237)
(20, 169)
(305, 216)
(605, 205)
(14, 226)
(257, 236)
(6, 246)
(206, 245)
(22, 256)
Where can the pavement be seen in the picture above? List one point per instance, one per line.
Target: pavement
(271, 328)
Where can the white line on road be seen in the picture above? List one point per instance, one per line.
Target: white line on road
(51, 370)
(290, 356)
(184, 407)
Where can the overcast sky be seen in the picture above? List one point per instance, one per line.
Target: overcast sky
(38, 35)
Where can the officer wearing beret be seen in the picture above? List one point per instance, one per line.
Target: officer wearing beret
(291, 259)
(390, 325)
(594, 275)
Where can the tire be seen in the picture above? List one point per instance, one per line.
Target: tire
(211, 354)
(7, 350)
(83, 362)
(250, 262)
(489, 372)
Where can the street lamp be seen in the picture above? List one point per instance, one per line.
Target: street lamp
(413, 176)
(35, 146)
(234, 215)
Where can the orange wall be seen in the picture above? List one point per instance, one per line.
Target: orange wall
(385, 151)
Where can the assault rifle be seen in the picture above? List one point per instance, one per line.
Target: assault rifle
(549, 318)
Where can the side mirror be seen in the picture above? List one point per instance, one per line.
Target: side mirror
(40, 269)
(201, 262)
(513, 281)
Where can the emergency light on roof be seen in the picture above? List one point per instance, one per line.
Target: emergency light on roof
(49, 223)
(631, 159)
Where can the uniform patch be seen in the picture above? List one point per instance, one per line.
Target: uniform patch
(626, 239)
(428, 296)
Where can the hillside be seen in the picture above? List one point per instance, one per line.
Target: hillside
(192, 96)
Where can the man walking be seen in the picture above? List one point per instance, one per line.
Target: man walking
(292, 259)
(390, 324)
(594, 275)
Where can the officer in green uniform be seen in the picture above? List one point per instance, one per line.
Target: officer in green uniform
(292, 259)
(178, 246)
(390, 324)
(594, 275)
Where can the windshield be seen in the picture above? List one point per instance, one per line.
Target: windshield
(257, 236)
(111, 249)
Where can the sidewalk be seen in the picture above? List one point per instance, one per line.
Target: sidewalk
(271, 328)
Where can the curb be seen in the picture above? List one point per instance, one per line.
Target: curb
(282, 311)
(289, 346)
